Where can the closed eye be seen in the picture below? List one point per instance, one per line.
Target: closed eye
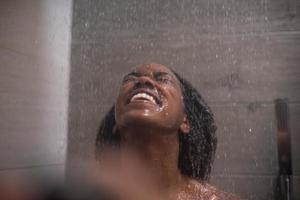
(163, 77)
(129, 79)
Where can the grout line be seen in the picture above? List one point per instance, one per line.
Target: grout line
(31, 167)
(237, 175)
(216, 36)
(10, 50)
(242, 103)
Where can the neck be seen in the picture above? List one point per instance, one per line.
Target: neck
(157, 153)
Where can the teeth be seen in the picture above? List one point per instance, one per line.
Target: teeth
(144, 96)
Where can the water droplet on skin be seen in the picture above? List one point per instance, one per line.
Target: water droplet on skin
(146, 113)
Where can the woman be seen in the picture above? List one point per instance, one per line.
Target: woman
(163, 121)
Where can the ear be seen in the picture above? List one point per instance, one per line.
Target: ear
(185, 125)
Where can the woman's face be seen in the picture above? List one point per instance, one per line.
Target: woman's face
(150, 96)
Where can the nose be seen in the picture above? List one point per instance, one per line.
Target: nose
(145, 81)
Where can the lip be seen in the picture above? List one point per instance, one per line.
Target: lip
(152, 92)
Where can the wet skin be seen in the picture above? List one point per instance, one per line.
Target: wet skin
(149, 113)
(165, 112)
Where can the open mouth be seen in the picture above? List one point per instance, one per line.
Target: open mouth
(145, 96)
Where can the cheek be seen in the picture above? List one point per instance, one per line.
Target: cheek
(177, 96)
(176, 104)
(118, 106)
(121, 97)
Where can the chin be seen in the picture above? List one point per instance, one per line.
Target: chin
(140, 119)
(148, 123)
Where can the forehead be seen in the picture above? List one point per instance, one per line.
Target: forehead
(149, 69)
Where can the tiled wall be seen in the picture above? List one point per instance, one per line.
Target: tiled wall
(241, 55)
(34, 75)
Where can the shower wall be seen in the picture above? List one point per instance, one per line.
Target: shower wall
(240, 55)
(34, 75)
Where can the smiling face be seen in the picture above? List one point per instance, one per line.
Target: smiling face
(150, 96)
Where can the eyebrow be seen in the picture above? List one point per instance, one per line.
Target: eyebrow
(157, 74)
(137, 74)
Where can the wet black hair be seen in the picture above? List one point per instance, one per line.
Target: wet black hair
(196, 149)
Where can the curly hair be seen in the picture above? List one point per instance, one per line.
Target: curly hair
(196, 149)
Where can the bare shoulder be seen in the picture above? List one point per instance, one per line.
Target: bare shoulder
(204, 191)
(219, 194)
